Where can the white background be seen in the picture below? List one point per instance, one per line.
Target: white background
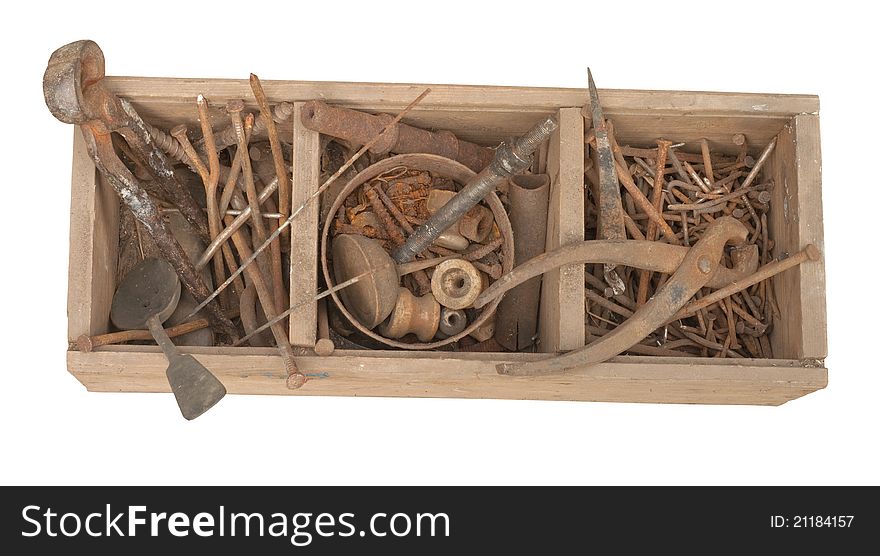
(53, 432)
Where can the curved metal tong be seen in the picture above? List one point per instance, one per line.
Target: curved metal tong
(75, 93)
(700, 264)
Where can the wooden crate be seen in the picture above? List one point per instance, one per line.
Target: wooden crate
(485, 115)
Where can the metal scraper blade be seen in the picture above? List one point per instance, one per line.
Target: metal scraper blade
(195, 388)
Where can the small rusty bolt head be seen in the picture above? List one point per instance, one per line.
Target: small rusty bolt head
(84, 343)
(739, 139)
(296, 380)
(179, 131)
(704, 265)
(234, 106)
(324, 347)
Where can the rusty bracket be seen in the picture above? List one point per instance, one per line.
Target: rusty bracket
(700, 264)
(75, 93)
(359, 127)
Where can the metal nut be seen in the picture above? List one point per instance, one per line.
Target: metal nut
(456, 283)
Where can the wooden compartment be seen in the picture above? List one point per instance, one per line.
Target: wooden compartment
(484, 115)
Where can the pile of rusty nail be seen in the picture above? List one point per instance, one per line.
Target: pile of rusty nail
(673, 196)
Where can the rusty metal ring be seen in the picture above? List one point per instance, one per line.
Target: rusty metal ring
(435, 164)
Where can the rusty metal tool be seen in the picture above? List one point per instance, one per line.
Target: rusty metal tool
(648, 255)
(358, 127)
(148, 295)
(611, 225)
(294, 213)
(86, 343)
(75, 93)
(516, 323)
(510, 159)
(699, 264)
(808, 253)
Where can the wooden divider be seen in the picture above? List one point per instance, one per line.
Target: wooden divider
(561, 317)
(304, 235)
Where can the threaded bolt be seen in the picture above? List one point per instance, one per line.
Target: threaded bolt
(167, 143)
(281, 114)
(529, 142)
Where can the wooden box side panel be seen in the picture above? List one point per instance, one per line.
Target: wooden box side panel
(436, 375)
(561, 315)
(489, 114)
(795, 222)
(94, 232)
(304, 234)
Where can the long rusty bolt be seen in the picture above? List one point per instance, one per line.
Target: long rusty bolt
(657, 201)
(234, 108)
(211, 182)
(284, 185)
(86, 343)
(359, 127)
(753, 173)
(509, 159)
(167, 143)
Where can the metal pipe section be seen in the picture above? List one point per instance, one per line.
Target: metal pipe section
(359, 127)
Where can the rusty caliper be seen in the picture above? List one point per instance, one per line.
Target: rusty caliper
(75, 93)
(695, 267)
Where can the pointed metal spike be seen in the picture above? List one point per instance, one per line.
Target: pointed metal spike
(595, 106)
